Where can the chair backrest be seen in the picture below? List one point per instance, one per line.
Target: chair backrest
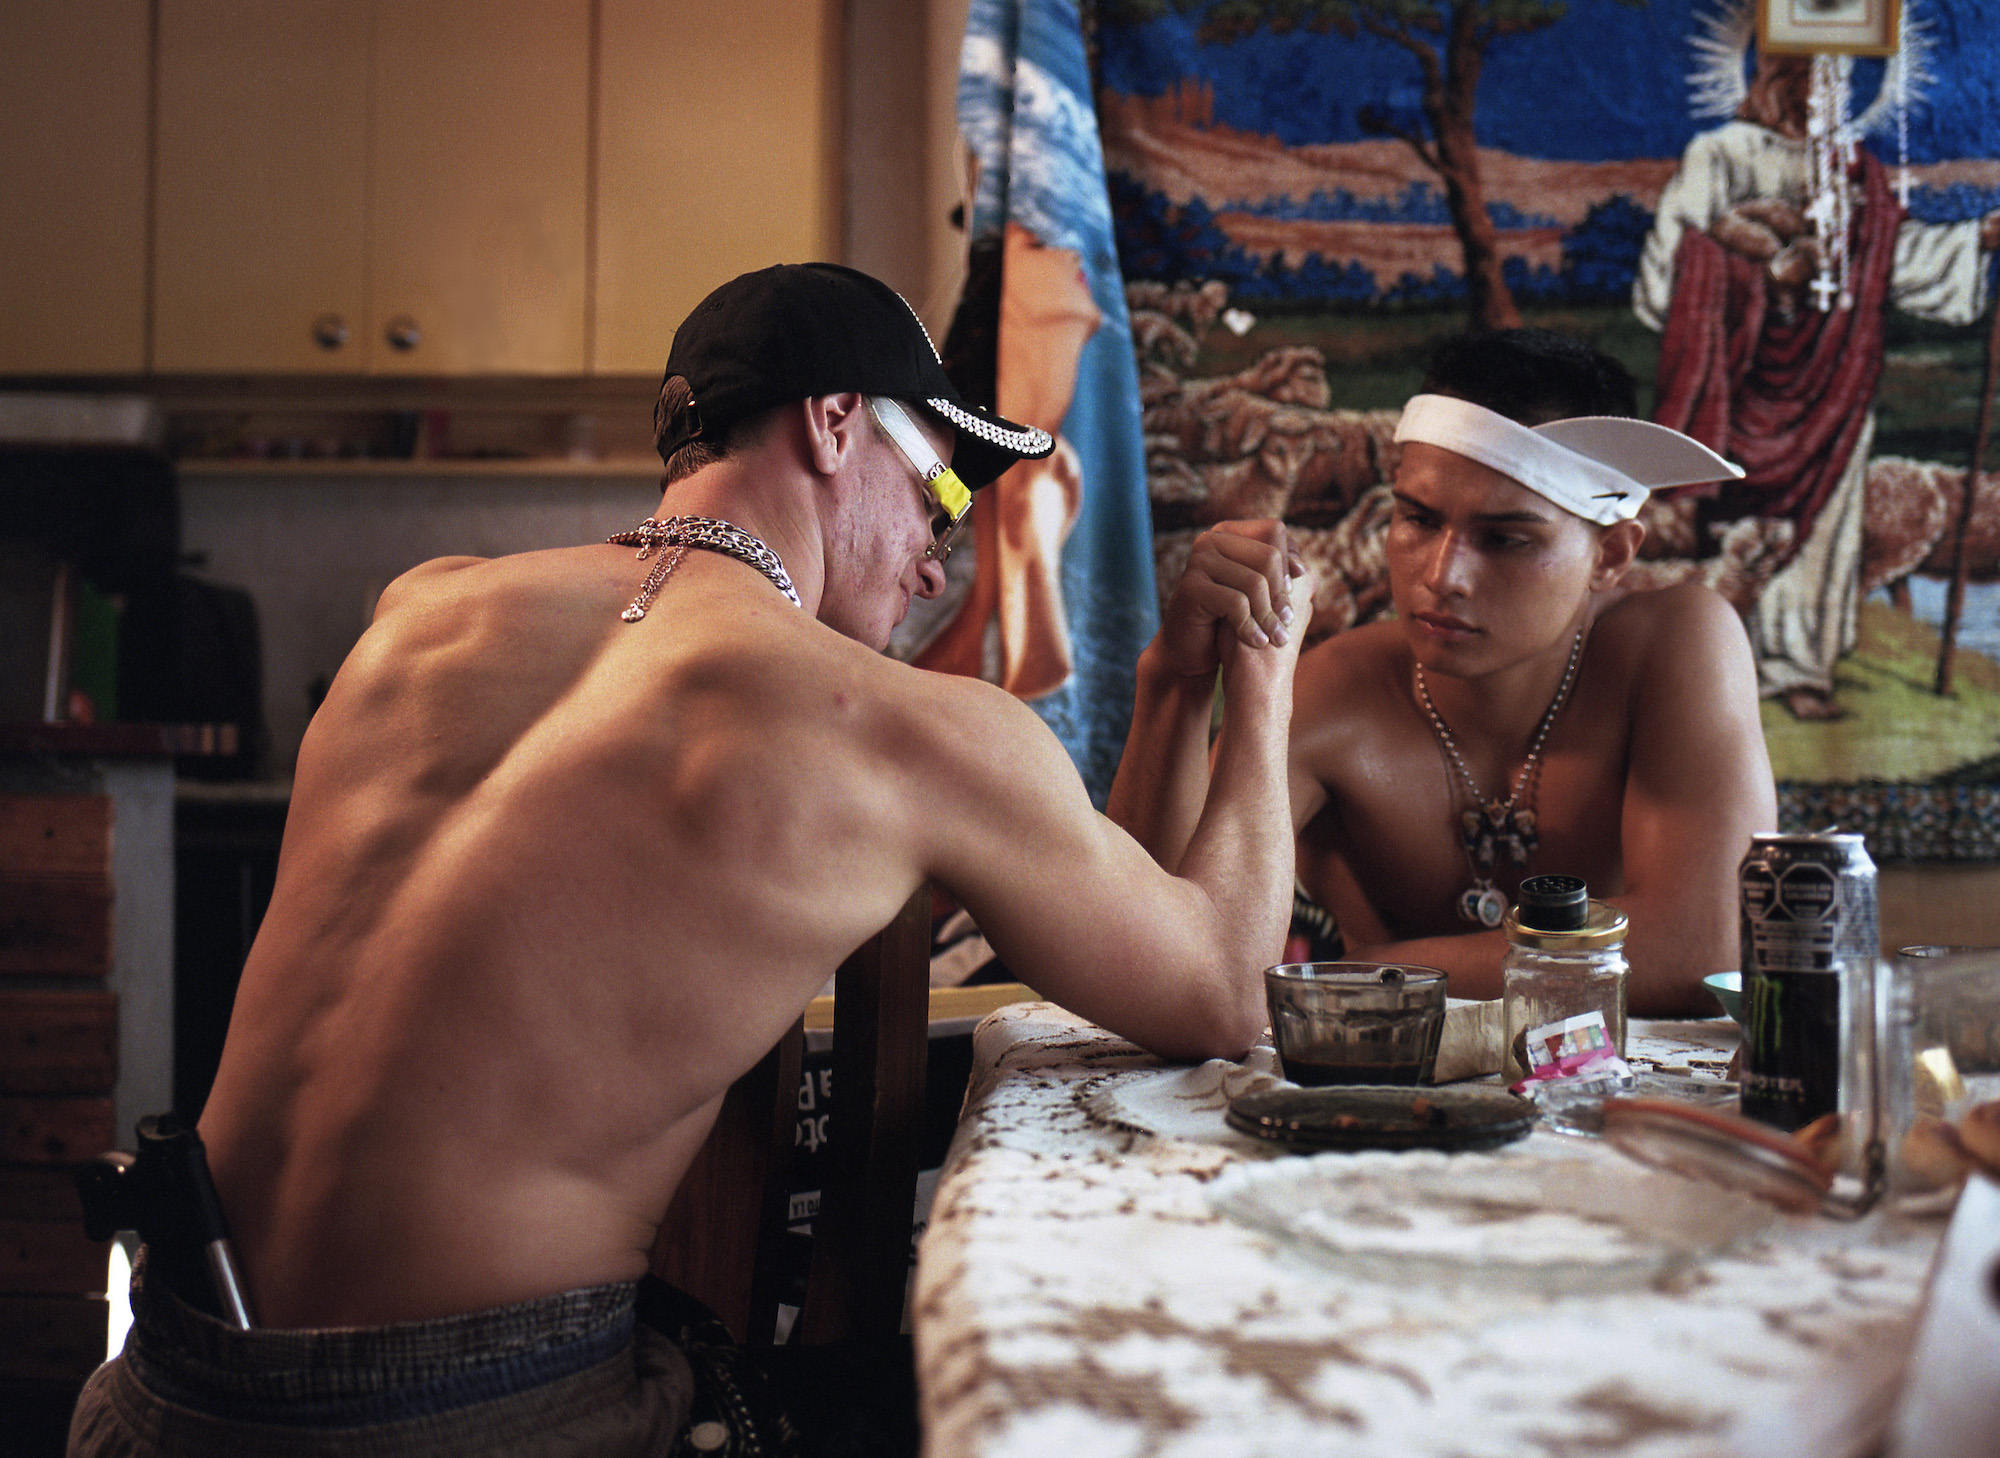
(723, 1237)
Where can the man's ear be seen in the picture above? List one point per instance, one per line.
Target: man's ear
(833, 429)
(1617, 547)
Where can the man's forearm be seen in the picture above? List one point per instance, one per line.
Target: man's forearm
(1664, 981)
(1162, 779)
(1671, 947)
(1470, 962)
(1240, 851)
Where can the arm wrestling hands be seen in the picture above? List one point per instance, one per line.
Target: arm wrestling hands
(1171, 958)
(1244, 588)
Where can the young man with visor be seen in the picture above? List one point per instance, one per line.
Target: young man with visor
(1520, 713)
(573, 841)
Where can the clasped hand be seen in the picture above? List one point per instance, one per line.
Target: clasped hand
(1244, 585)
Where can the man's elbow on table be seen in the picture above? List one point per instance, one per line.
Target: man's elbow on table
(1222, 1018)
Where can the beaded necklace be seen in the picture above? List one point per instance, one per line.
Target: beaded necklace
(1495, 825)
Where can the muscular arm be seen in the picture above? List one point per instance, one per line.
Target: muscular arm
(1084, 914)
(1698, 785)
(1162, 776)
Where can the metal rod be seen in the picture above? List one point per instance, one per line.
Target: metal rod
(1954, 603)
(229, 1289)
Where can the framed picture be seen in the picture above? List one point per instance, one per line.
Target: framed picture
(1851, 27)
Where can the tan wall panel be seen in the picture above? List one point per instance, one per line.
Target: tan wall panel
(55, 926)
(262, 204)
(73, 144)
(1953, 905)
(717, 153)
(479, 160)
(33, 1192)
(51, 1258)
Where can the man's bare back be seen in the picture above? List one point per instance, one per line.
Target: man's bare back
(551, 881)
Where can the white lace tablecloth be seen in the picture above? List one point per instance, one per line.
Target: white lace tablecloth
(1080, 1292)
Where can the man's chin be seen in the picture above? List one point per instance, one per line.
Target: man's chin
(1459, 657)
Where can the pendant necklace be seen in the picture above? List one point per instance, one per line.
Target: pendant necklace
(672, 537)
(1492, 826)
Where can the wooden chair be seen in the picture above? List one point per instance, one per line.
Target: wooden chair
(723, 1237)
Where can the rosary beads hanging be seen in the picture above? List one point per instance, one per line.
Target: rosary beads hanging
(1901, 68)
(1830, 157)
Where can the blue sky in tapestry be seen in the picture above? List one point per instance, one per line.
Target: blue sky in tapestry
(1620, 73)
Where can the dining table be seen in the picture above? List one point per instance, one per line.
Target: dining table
(1110, 1269)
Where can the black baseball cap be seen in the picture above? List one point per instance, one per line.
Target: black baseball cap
(801, 329)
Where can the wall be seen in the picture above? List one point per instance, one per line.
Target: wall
(1952, 905)
(905, 164)
(315, 551)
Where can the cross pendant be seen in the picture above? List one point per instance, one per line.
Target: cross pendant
(1496, 828)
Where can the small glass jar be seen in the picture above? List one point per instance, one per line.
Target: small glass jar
(1565, 959)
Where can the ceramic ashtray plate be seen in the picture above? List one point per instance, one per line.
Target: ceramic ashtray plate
(1544, 1226)
(1373, 1116)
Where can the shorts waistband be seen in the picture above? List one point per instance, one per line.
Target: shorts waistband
(348, 1376)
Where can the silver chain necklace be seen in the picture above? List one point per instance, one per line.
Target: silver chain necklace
(1496, 825)
(673, 536)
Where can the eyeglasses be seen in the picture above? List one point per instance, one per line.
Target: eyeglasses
(950, 501)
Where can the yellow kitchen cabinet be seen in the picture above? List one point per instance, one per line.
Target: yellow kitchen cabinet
(481, 185)
(399, 187)
(261, 223)
(718, 152)
(73, 130)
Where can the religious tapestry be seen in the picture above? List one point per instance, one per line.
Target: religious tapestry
(1055, 597)
(1792, 252)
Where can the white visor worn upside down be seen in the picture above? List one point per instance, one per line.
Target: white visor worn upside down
(1598, 466)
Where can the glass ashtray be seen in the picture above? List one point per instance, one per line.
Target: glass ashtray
(1721, 1150)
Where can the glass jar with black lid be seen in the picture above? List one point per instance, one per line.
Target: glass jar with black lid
(1565, 960)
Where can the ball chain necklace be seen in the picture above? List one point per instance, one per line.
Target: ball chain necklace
(1495, 825)
(673, 536)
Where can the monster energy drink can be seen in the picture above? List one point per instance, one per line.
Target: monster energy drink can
(1809, 950)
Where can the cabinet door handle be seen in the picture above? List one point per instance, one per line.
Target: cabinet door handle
(329, 331)
(404, 334)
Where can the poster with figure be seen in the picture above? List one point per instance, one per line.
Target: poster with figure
(1055, 598)
(1794, 256)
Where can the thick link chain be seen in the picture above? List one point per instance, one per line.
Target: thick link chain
(709, 535)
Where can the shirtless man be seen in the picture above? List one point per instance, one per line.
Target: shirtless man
(553, 879)
(1505, 557)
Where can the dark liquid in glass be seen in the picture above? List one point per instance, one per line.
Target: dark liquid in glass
(1313, 1074)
